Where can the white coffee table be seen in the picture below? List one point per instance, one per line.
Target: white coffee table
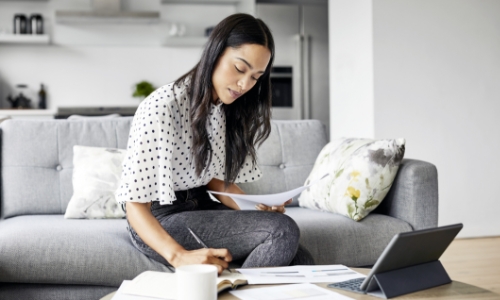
(454, 291)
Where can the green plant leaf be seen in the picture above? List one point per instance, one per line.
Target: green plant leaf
(143, 89)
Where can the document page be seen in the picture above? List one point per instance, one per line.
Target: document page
(300, 274)
(163, 285)
(290, 291)
(122, 295)
(160, 285)
(248, 202)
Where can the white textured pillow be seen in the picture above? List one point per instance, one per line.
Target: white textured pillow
(361, 174)
(96, 174)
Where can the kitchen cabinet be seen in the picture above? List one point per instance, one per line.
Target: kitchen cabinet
(72, 30)
(197, 15)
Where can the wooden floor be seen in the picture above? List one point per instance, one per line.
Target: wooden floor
(474, 261)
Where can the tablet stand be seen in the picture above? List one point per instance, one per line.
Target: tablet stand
(410, 279)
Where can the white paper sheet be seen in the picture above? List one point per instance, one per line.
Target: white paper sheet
(292, 291)
(119, 295)
(300, 274)
(157, 285)
(248, 202)
(161, 285)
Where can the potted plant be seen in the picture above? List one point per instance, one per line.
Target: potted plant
(143, 89)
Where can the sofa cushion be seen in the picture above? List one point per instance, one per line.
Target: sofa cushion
(37, 160)
(40, 152)
(10, 291)
(51, 249)
(361, 174)
(335, 239)
(287, 156)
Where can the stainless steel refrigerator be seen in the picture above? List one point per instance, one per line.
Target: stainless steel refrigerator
(300, 31)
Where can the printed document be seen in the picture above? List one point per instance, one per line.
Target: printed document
(300, 274)
(158, 285)
(290, 291)
(121, 295)
(248, 202)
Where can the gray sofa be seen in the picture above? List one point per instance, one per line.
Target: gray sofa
(44, 256)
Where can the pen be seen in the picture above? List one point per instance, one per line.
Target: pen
(197, 238)
(201, 243)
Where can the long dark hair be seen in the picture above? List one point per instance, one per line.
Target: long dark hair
(248, 119)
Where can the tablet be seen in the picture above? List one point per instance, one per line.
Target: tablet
(413, 248)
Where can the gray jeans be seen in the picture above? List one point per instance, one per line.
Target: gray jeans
(254, 238)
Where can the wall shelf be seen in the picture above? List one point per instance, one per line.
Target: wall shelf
(40, 39)
(92, 17)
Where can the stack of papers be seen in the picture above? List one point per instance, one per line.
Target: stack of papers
(161, 285)
(148, 285)
(300, 274)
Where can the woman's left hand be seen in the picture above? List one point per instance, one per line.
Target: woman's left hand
(279, 208)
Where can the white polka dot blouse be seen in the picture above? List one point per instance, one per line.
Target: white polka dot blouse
(159, 161)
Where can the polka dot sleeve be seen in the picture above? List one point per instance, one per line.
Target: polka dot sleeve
(249, 172)
(147, 169)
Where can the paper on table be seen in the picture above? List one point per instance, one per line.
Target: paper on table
(163, 285)
(159, 285)
(120, 295)
(299, 274)
(291, 291)
(247, 202)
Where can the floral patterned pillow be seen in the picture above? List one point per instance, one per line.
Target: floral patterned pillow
(361, 173)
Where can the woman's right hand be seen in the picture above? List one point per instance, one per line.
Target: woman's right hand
(217, 257)
(152, 233)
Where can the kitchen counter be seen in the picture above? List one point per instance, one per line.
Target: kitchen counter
(27, 113)
(64, 112)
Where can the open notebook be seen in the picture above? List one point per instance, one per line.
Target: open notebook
(230, 281)
(163, 285)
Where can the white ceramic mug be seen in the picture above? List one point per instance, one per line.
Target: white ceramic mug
(196, 282)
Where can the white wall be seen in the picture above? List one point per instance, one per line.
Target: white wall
(93, 76)
(436, 78)
(351, 68)
(98, 65)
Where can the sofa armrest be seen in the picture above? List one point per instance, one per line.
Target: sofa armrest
(413, 196)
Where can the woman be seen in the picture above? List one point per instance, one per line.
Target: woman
(200, 133)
